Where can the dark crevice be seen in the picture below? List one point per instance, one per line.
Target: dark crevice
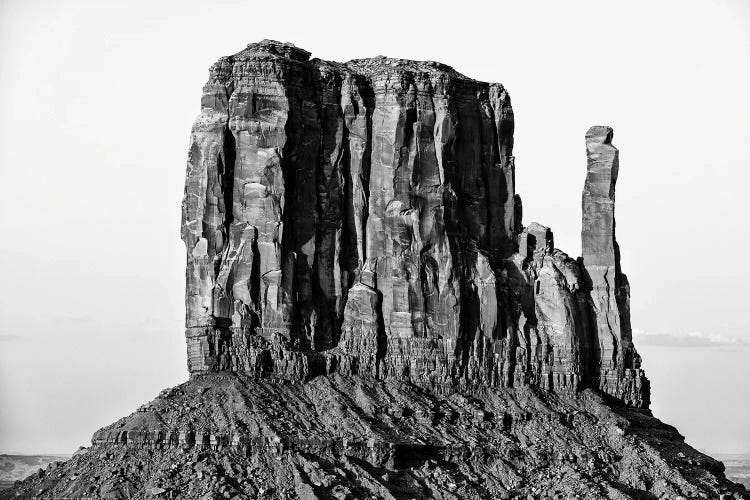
(255, 278)
(368, 96)
(226, 177)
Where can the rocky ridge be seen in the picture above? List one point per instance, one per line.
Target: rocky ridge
(368, 317)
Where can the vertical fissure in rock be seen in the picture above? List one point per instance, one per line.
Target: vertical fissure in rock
(289, 237)
(351, 219)
(226, 176)
(494, 187)
(368, 97)
(329, 288)
(345, 257)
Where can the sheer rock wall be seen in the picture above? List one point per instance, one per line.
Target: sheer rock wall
(361, 218)
(614, 354)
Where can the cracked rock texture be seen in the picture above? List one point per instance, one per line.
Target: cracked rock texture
(368, 317)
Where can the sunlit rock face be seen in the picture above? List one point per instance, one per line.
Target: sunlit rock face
(613, 353)
(362, 218)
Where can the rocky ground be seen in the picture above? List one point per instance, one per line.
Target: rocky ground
(226, 436)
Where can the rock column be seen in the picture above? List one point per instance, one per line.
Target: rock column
(615, 364)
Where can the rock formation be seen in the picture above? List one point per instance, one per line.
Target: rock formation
(613, 353)
(362, 218)
(368, 317)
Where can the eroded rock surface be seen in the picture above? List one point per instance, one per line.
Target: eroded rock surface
(308, 178)
(369, 318)
(393, 181)
(230, 436)
(620, 373)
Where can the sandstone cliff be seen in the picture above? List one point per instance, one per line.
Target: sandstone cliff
(362, 218)
(368, 317)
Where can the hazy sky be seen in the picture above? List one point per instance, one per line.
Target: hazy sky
(97, 99)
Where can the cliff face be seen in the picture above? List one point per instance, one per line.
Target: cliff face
(368, 318)
(362, 218)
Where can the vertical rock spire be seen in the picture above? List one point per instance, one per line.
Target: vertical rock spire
(616, 364)
(599, 245)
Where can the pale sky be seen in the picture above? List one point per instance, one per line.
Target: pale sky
(97, 102)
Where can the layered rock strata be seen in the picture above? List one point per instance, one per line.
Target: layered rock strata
(362, 218)
(228, 436)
